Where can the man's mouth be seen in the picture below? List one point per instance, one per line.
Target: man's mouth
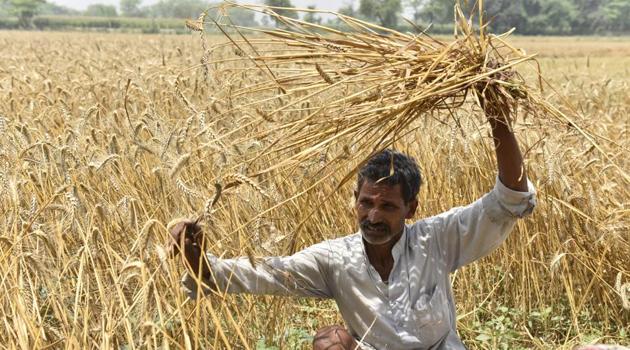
(379, 229)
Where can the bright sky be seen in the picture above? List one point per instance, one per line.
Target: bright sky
(321, 4)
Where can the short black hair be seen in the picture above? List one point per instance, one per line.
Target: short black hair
(406, 172)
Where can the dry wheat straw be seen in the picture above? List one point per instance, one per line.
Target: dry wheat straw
(624, 291)
(412, 75)
(242, 179)
(3, 124)
(177, 167)
(186, 190)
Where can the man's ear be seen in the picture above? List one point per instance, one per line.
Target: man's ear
(413, 205)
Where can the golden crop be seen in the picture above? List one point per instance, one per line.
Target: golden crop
(105, 139)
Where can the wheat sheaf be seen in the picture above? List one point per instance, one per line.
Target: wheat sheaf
(368, 84)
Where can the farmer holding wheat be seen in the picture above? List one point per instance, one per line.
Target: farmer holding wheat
(390, 280)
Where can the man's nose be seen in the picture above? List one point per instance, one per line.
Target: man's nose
(374, 216)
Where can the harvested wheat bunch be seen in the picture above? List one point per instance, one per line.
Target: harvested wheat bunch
(348, 94)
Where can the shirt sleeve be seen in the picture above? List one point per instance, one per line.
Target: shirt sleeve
(465, 234)
(304, 273)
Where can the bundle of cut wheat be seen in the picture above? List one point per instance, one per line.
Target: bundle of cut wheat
(335, 97)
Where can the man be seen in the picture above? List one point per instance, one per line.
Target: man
(390, 280)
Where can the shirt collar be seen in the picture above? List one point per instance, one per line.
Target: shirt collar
(397, 250)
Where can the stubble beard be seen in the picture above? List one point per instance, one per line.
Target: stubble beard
(384, 233)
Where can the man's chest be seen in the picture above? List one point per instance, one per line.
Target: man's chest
(414, 305)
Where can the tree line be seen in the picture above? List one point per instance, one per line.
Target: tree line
(528, 17)
(26, 10)
(126, 8)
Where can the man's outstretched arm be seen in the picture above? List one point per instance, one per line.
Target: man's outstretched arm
(509, 159)
(302, 274)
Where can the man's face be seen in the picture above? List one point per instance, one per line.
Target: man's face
(381, 211)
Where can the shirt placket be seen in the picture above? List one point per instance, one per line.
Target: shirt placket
(398, 294)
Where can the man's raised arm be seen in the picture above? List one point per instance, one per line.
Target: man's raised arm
(470, 232)
(509, 159)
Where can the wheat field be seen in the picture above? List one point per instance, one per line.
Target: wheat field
(106, 138)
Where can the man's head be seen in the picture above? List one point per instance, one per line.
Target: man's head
(386, 195)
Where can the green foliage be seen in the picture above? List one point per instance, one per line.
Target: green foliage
(176, 8)
(100, 10)
(54, 9)
(438, 11)
(134, 24)
(617, 13)
(498, 328)
(415, 6)
(9, 23)
(312, 17)
(282, 12)
(5, 11)
(295, 338)
(529, 17)
(555, 17)
(562, 17)
(298, 337)
(261, 345)
(348, 10)
(144, 25)
(130, 8)
(242, 17)
(384, 11)
(24, 10)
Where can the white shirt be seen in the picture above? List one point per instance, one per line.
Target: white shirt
(415, 309)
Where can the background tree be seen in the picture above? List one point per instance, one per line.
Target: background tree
(312, 17)
(617, 14)
(348, 10)
(24, 10)
(101, 10)
(534, 17)
(282, 3)
(367, 8)
(438, 11)
(415, 7)
(241, 17)
(504, 15)
(592, 17)
(5, 11)
(57, 10)
(555, 17)
(385, 12)
(130, 8)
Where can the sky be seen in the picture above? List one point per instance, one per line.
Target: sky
(321, 4)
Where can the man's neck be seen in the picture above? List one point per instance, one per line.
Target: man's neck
(380, 256)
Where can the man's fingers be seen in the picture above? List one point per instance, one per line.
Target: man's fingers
(186, 235)
(177, 233)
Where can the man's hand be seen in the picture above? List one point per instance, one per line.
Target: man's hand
(187, 237)
(498, 92)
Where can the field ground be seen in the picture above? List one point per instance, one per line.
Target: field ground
(92, 131)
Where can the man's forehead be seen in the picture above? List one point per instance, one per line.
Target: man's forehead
(381, 189)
